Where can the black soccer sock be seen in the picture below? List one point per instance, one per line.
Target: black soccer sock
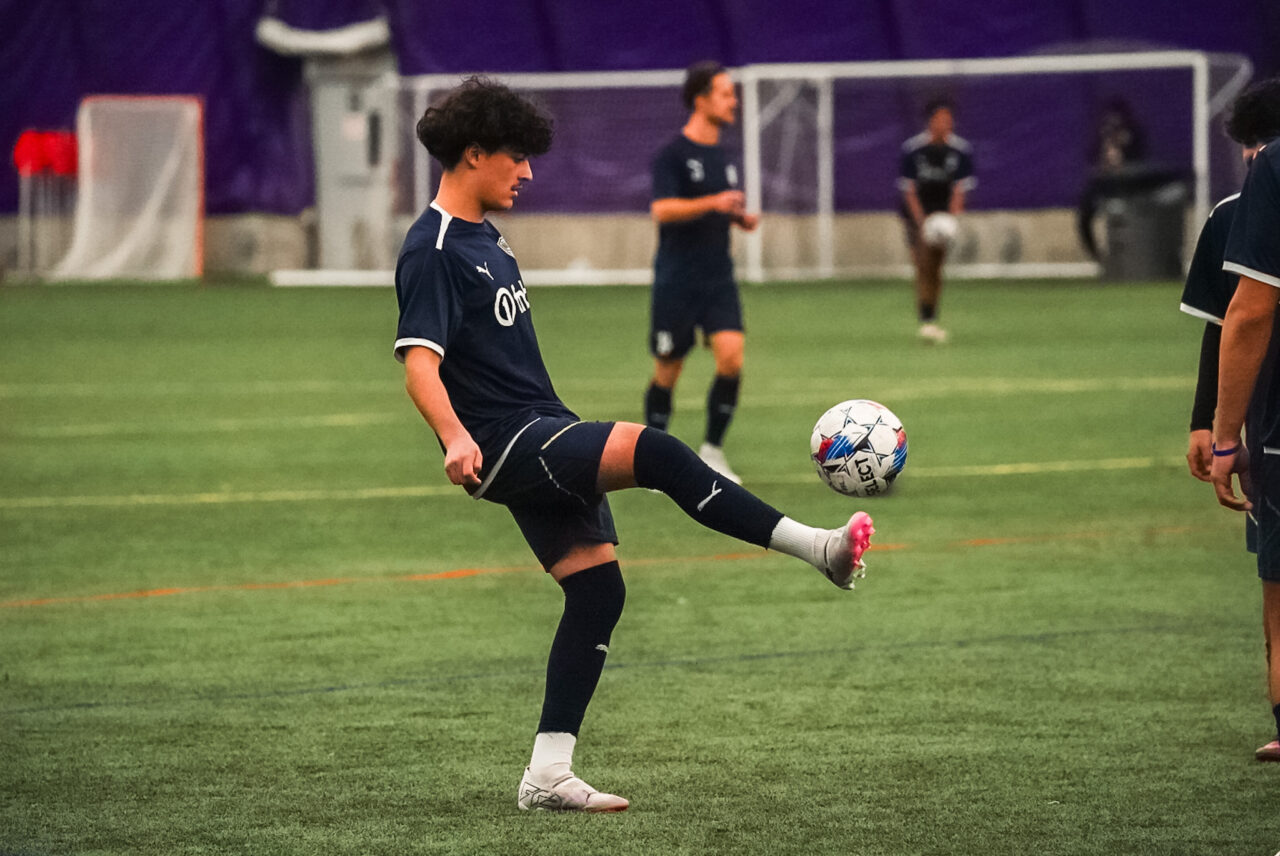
(928, 312)
(722, 400)
(1275, 711)
(657, 407)
(664, 463)
(593, 601)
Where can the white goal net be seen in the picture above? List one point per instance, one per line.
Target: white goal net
(140, 211)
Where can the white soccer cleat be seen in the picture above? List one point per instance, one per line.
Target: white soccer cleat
(843, 554)
(713, 456)
(567, 794)
(932, 333)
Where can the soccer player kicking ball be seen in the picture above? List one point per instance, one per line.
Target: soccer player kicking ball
(473, 368)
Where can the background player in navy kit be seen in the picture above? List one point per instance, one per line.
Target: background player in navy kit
(695, 199)
(935, 175)
(1248, 385)
(474, 370)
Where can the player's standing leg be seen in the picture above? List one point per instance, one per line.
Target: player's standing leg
(1271, 628)
(727, 347)
(928, 261)
(658, 397)
(594, 594)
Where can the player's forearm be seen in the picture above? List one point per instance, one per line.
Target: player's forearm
(422, 381)
(957, 200)
(677, 210)
(1245, 333)
(1206, 395)
(914, 208)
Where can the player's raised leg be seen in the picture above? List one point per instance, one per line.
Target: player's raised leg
(639, 456)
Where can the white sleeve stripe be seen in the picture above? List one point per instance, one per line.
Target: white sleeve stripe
(403, 345)
(1201, 314)
(1268, 278)
(502, 459)
(445, 217)
(1224, 200)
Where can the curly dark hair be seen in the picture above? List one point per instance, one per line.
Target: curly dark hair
(1254, 116)
(697, 80)
(483, 112)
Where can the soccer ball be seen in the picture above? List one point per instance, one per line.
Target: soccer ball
(859, 447)
(939, 229)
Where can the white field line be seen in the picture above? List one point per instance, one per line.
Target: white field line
(422, 491)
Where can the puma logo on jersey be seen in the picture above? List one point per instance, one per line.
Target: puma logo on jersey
(484, 269)
(510, 301)
(714, 490)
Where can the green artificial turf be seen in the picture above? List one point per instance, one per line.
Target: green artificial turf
(242, 611)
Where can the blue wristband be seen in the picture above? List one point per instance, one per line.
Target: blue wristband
(1225, 453)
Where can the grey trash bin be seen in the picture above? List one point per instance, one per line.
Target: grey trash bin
(1144, 234)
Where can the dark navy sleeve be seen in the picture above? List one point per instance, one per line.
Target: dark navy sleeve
(668, 174)
(431, 301)
(1252, 248)
(964, 171)
(907, 168)
(1208, 288)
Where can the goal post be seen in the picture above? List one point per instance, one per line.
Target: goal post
(140, 207)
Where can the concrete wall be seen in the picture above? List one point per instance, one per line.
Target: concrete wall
(989, 243)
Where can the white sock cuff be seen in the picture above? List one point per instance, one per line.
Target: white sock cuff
(552, 747)
(796, 539)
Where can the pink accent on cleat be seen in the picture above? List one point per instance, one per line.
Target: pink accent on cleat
(1270, 752)
(860, 532)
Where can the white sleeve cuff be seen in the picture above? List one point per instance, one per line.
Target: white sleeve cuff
(403, 345)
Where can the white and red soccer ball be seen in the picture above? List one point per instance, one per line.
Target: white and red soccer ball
(859, 447)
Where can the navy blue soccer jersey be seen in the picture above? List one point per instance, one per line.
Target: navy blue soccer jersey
(934, 169)
(461, 295)
(1253, 250)
(693, 252)
(1208, 288)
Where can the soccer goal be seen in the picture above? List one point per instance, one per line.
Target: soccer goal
(140, 208)
(820, 145)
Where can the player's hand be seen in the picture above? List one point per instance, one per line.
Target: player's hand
(731, 202)
(462, 462)
(1221, 472)
(747, 222)
(1199, 458)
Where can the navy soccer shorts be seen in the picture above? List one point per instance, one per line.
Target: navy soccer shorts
(547, 480)
(678, 311)
(1266, 514)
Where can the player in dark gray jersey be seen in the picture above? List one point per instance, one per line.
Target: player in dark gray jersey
(474, 370)
(696, 197)
(1248, 383)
